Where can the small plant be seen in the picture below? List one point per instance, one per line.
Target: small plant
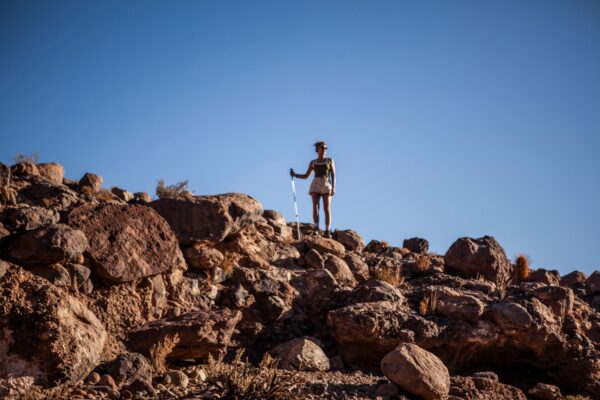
(428, 303)
(424, 305)
(521, 273)
(240, 380)
(423, 263)
(24, 158)
(160, 350)
(176, 191)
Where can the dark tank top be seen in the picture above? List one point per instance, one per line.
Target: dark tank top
(322, 169)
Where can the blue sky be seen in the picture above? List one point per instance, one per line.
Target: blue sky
(445, 119)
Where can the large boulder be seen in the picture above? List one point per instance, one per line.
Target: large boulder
(351, 240)
(91, 182)
(416, 245)
(44, 332)
(592, 283)
(325, 246)
(479, 388)
(417, 371)
(199, 334)
(303, 354)
(454, 304)
(53, 172)
(208, 218)
(470, 258)
(127, 242)
(340, 270)
(48, 244)
(28, 218)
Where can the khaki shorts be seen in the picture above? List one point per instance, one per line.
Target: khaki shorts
(320, 185)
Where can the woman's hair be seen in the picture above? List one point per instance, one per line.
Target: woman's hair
(319, 144)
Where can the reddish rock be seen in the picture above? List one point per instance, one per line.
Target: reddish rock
(91, 182)
(339, 269)
(48, 245)
(208, 218)
(375, 290)
(122, 194)
(28, 218)
(542, 275)
(45, 332)
(53, 172)
(25, 169)
(592, 283)
(302, 354)
(544, 391)
(314, 259)
(417, 371)
(127, 242)
(351, 240)
(454, 304)
(469, 258)
(203, 257)
(416, 245)
(142, 198)
(472, 388)
(359, 268)
(200, 333)
(575, 279)
(325, 246)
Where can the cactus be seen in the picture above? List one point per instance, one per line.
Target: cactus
(521, 273)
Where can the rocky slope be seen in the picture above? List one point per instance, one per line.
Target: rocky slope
(108, 294)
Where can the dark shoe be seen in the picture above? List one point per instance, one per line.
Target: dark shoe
(327, 234)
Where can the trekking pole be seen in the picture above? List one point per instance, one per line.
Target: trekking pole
(295, 204)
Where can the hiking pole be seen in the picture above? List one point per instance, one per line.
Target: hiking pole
(295, 203)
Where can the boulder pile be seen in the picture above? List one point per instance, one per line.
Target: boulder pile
(116, 295)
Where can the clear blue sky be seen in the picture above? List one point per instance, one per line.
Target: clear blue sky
(445, 119)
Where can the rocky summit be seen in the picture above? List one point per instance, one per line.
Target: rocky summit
(105, 294)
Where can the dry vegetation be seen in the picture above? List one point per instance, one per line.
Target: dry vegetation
(160, 351)
(391, 275)
(176, 191)
(240, 380)
(28, 158)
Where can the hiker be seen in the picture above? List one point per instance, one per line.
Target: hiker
(321, 185)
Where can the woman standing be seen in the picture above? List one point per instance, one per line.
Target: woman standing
(321, 186)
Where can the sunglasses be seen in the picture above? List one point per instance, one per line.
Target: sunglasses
(324, 147)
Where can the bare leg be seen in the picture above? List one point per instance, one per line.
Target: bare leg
(315, 200)
(327, 209)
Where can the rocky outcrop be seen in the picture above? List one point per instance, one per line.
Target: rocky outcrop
(199, 334)
(469, 258)
(417, 371)
(208, 218)
(46, 333)
(127, 242)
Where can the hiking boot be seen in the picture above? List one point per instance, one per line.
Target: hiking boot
(327, 234)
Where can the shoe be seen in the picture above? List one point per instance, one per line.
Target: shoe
(327, 234)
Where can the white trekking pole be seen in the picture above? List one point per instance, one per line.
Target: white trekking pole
(295, 204)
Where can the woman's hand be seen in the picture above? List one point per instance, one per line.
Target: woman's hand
(333, 191)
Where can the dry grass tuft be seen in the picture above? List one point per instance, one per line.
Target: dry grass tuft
(176, 191)
(158, 352)
(28, 158)
(428, 303)
(240, 380)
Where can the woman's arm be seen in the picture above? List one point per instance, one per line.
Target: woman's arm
(308, 171)
(332, 177)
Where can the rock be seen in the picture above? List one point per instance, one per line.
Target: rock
(314, 259)
(122, 194)
(325, 246)
(468, 257)
(54, 273)
(574, 280)
(302, 354)
(178, 378)
(509, 315)
(238, 297)
(340, 271)
(108, 381)
(139, 385)
(4, 267)
(127, 242)
(208, 218)
(416, 245)
(29, 218)
(91, 182)
(359, 268)
(558, 298)
(274, 308)
(127, 368)
(80, 274)
(375, 290)
(200, 333)
(375, 246)
(456, 305)
(544, 391)
(42, 193)
(487, 375)
(45, 332)
(351, 240)
(469, 388)
(93, 378)
(48, 244)
(279, 224)
(203, 257)
(3, 231)
(142, 198)
(387, 391)
(25, 168)
(53, 172)
(417, 371)
(542, 275)
(592, 283)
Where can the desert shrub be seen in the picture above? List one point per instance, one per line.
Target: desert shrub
(28, 158)
(521, 273)
(240, 380)
(175, 191)
(428, 303)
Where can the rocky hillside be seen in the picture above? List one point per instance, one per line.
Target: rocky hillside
(108, 294)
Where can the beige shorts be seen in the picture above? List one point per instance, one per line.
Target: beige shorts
(320, 185)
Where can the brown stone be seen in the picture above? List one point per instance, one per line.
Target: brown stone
(203, 257)
(48, 244)
(127, 242)
(91, 181)
(351, 240)
(53, 172)
(303, 354)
